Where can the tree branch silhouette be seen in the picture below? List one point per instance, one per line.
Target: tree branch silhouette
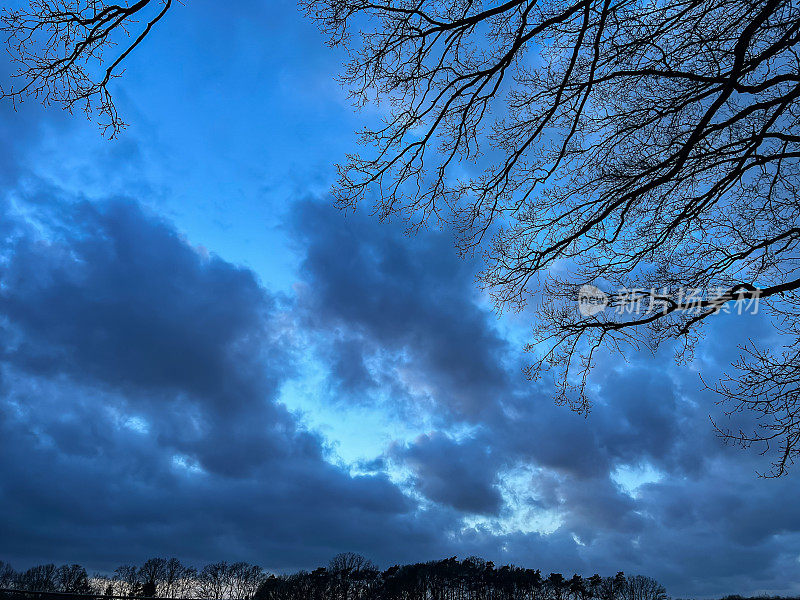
(635, 144)
(61, 49)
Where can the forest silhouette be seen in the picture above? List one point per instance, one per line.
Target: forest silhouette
(348, 576)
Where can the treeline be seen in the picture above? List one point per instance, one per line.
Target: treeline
(352, 577)
(157, 577)
(348, 576)
(71, 579)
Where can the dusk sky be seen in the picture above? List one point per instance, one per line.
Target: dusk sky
(201, 357)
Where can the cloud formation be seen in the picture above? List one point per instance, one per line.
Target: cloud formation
(139, 386)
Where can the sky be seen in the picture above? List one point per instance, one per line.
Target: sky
(200, 357)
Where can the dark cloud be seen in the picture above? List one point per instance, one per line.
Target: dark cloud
(114, 296)
(139, 410)
(106, 295)
(411, 298)
(457, 474)
(348, 369)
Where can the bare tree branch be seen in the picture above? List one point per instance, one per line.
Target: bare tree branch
(61, 49)
(636, 144)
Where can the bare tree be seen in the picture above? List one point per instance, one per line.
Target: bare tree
(639, 587)
(350, 562)
(41, 578)
(68, 51)
(177, 579)
(129, 582)
(7, 575)
(635, 144)
(213, 581)
(72, 579)
(350, 574)
(153, 574)
(186, 585)
(246, 579)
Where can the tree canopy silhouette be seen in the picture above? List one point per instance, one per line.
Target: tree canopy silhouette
(349, 576)
(68, 51)
(633, 144)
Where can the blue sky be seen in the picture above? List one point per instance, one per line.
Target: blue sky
(200, 357)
